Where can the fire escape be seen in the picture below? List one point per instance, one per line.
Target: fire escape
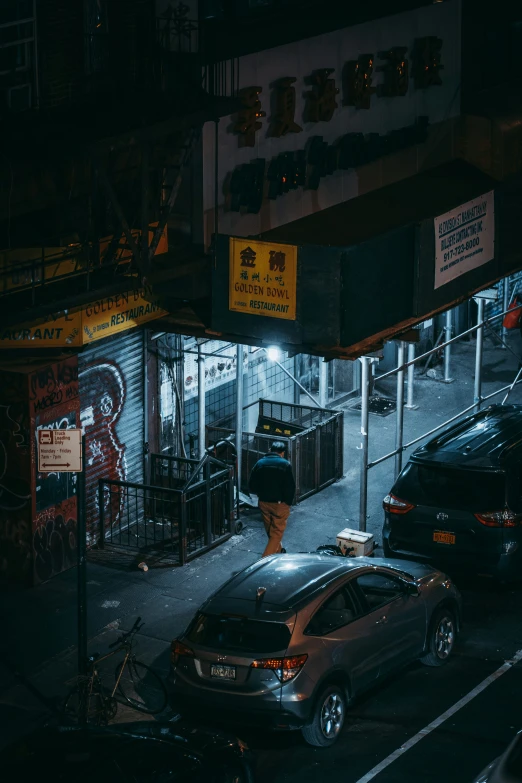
(87, 189)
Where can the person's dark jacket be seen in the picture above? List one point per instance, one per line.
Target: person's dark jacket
(272, 480)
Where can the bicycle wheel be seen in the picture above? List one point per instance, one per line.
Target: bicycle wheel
(141, 687)
(96, 706)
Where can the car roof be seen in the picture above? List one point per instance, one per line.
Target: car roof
(489, 439)
(289, 580)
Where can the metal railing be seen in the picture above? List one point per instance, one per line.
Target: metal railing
(315, 453)
(181, 522)
(366, 361)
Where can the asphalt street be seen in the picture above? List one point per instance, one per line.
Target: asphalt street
(390, 715)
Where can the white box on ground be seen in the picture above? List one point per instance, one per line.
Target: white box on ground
(353, 543)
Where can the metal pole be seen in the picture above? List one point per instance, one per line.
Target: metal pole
(323, 383)
(201, 403)
(300, 385)
(447, 350)
(239, 415)
(365, 398)
(505, 305)
(400, 408)
(411, 374)
(82, 568)
(477, 398)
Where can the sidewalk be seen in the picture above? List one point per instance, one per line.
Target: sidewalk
(39, 626)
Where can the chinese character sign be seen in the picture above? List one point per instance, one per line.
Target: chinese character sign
(263, 278)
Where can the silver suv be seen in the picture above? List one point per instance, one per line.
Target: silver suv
(291, 640)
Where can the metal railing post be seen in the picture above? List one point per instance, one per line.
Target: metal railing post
(323, 383)
(477, 397)
(411, 377)
(400, 408)
(365, 398)
(447, 350)
(239, 417)
(505, 305)
(201, 402)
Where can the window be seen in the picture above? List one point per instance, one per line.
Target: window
(379, 589)
(336, 611)
(239, 634)
(467, 490)
(17, 60)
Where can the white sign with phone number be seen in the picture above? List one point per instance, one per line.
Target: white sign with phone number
(464, 238)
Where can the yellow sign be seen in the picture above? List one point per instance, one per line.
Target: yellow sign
(262, 278)
(117, 314)
(99, 319)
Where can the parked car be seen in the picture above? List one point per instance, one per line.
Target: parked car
(507, 768)
(459, 498)
(141, 752)
(293, 639)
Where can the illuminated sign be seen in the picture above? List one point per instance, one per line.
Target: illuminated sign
(262, 278)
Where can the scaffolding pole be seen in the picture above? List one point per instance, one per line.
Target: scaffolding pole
(201, 403)
(399, 430)
(477, 398)
(448, 328)
(239, 413)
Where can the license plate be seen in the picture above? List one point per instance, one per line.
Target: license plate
(443, 538)
(223, 672)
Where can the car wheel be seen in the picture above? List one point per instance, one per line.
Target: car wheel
(441, 638)
(328, 718)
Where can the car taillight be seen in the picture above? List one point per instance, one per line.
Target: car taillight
(178, 649)
(504, 518)
(395, 505)
(285, 668)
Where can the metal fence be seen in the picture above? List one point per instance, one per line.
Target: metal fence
(315, 451)
(492, 326)
(187, 512)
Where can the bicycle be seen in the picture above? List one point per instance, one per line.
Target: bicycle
(89, 701)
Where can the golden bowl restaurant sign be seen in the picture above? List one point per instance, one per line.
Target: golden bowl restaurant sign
(262, 278)
(99, 319)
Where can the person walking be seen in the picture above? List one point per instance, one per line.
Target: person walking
(272, 480)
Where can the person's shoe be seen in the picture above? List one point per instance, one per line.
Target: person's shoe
(283, 551)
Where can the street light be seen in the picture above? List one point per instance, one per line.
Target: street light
(273, 353)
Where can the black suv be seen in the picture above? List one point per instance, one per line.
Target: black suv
(459, 498)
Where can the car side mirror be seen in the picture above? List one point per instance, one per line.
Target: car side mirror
(410, 588)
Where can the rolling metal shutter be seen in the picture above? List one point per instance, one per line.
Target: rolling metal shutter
(112, 413)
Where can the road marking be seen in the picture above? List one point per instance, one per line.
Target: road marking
(506, 666)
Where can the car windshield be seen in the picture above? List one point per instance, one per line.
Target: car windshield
(435, 485)
(238, 633)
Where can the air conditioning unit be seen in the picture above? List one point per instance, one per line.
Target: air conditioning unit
(19, 98)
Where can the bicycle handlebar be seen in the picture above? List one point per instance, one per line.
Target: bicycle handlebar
(136, 627)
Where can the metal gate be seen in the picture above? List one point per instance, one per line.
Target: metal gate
(111, 378)
(183, 513)
(315, 452)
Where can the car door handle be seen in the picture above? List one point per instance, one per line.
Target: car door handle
(381, 620)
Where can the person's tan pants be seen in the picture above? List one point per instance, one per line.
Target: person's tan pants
(275, 516)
